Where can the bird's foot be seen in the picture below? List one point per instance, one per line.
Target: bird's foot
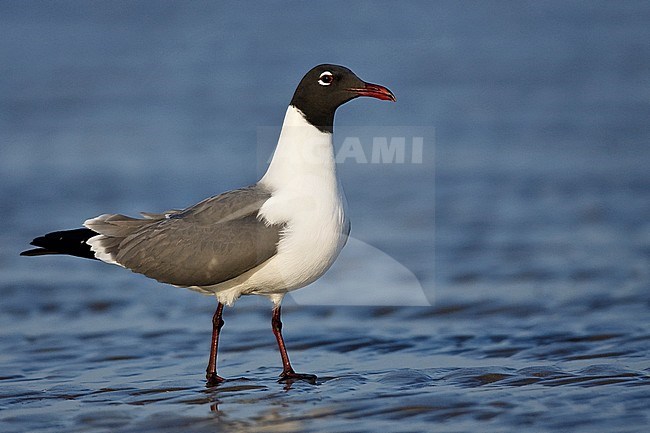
(291, 376)
(213, 379)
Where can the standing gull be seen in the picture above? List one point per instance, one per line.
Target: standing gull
(275, 236)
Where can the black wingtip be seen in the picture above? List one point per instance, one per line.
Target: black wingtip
(68, 242)
(37, 252)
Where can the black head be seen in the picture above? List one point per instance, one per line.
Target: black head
(326, 87)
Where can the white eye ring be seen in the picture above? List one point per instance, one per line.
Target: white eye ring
(325, 78)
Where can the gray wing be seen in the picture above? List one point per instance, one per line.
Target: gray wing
(206, 244)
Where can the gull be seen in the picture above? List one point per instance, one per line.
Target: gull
(277, 235)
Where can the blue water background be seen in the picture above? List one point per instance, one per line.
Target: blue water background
(526, 226)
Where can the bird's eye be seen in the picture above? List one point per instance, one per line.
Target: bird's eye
(325, 78)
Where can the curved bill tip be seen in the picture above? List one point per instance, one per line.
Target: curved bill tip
(375, 91)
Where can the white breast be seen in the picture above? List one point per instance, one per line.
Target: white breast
(310, 243)
(308, 200)
(306, 197)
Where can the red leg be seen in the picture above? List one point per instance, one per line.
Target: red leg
(287, 370)
(211, 372)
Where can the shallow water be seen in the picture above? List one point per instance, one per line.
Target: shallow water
(502, 284)
(108, 362)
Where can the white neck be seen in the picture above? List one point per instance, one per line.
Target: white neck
(304, 154)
